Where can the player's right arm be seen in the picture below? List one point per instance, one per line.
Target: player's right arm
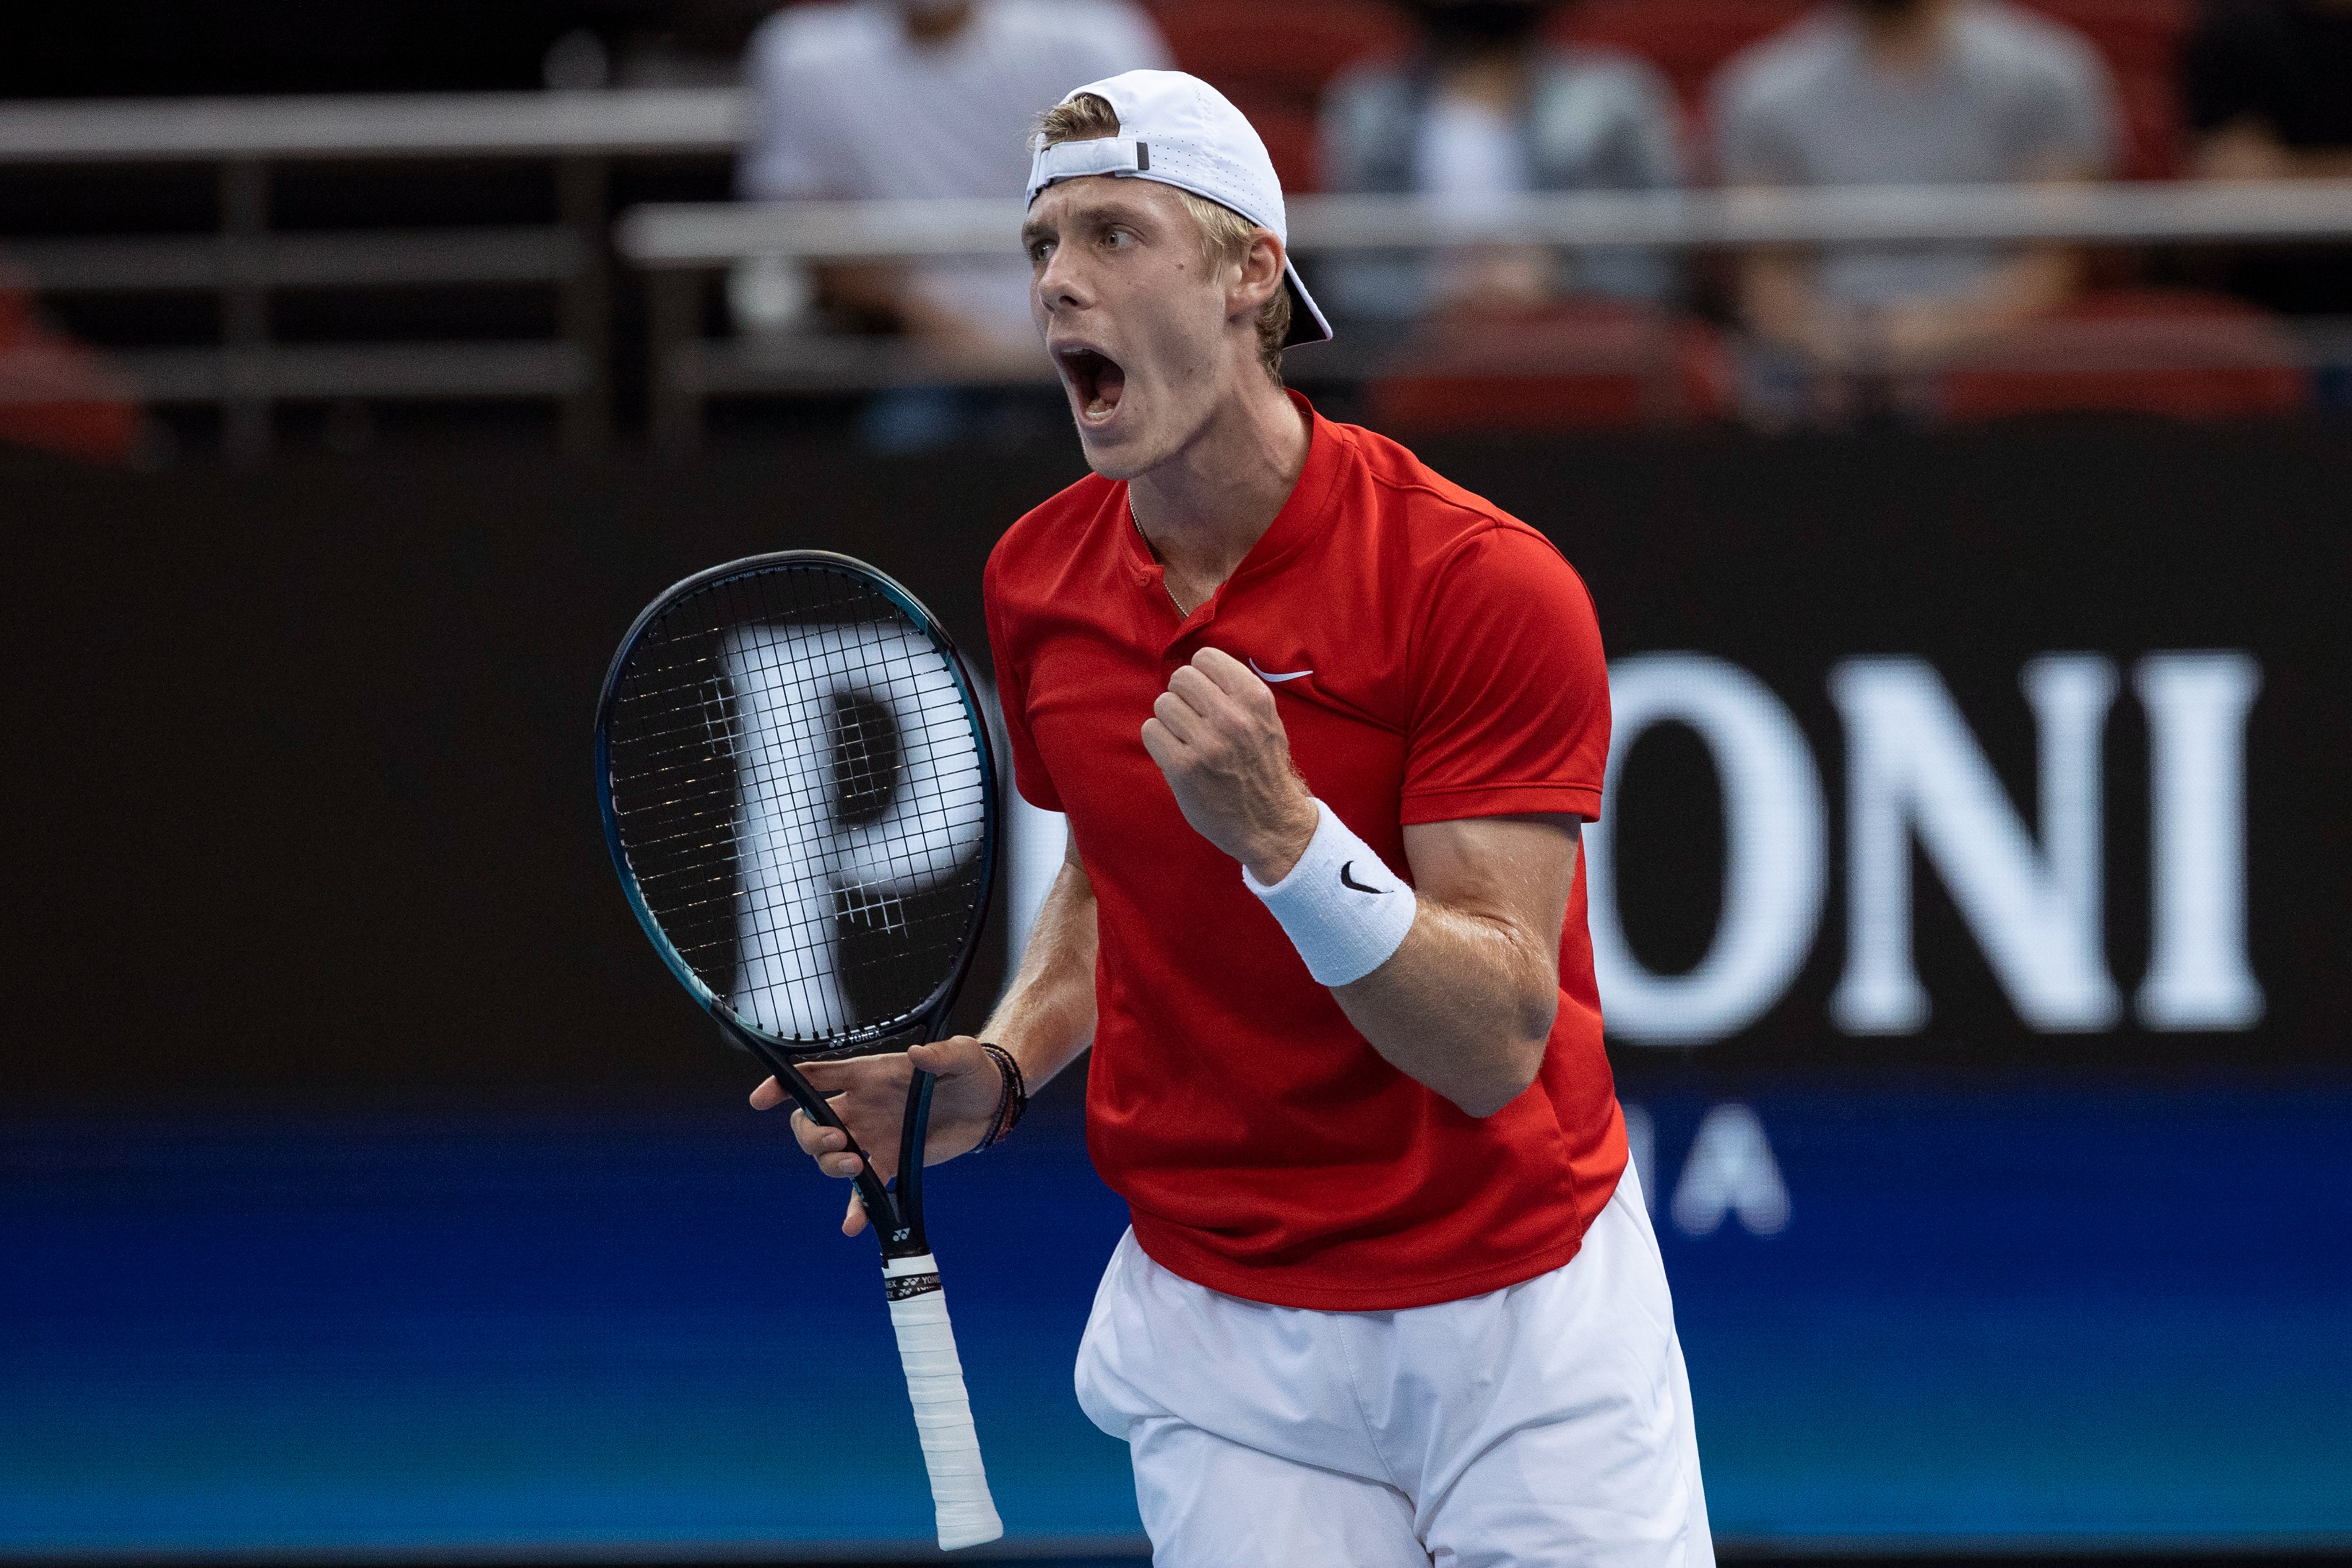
(1046, 1018)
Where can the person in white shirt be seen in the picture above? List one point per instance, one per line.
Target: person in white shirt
(893, 99)
(1910, 92)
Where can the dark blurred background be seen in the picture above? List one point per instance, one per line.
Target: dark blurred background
(140, 47)
(1971, 904)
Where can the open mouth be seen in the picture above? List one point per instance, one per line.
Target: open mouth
(1096, 380)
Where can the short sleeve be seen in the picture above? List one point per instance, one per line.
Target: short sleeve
(1752, 146)
(1620, 117)
(1511, 687)
(1656, 125)
(1639, 149)
(1029, 774)
(2070, 125)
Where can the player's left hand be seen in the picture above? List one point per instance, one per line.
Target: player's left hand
(1216, 734)
(870, 1094)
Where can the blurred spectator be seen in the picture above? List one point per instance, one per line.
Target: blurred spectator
(1908, 92)
(884, 98)
(1487, 110)
(2269, 89)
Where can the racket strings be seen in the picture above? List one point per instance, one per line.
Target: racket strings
(801, 926)
(801, 794)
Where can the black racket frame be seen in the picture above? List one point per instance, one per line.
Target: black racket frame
(896, 1210)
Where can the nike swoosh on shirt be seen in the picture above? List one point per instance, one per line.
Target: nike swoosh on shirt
(1270, 676)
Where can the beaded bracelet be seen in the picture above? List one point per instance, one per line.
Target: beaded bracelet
(1012, 1100)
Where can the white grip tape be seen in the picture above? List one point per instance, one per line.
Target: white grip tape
(927, 1349)
(1340, 905)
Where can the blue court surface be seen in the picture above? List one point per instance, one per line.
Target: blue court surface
(2055, 1316)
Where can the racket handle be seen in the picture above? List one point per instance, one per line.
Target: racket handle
(927, 1349)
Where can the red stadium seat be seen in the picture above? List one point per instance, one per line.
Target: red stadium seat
(1687, 40)
(2152, 127)
(1273, 61)
(1291, 141)
(2162, 351)
(2140, 40)
(55, 394)
(1290, 48)
(2134, 36)
(1578, 366)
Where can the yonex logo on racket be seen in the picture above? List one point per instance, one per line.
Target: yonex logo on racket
(905, 1285)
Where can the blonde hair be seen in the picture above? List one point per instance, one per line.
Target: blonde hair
(1225, 235)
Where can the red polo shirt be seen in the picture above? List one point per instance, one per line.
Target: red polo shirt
(1432, 658)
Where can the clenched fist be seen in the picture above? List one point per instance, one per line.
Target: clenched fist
(1216, 735)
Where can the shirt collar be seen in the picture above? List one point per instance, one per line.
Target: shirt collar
(1303, 516)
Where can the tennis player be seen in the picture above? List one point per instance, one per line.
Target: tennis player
(1325, 726)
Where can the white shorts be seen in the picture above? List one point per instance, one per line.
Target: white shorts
(1543, 1424)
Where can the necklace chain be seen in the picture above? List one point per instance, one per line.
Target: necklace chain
(1138, 524)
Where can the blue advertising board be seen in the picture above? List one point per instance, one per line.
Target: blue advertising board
(2020, 1314)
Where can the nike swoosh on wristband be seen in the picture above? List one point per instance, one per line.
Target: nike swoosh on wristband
(1270, 676)
(1347, 881)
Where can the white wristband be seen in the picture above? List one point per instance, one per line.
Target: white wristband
(1343, 909)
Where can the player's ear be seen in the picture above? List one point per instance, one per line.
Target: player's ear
(1260, 272)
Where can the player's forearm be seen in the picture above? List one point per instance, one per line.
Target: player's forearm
(1456, 983)
(1464, 1006)
(1047, 1016)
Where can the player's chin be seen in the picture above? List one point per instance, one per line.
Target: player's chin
(1114, 447)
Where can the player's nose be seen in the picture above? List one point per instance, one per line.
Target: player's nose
(1060, 283)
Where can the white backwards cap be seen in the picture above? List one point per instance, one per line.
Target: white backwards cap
(1178, 129)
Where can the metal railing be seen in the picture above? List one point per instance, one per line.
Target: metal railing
(680, 244)
(694, 235)
(243, 262)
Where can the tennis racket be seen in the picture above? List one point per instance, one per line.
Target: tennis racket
(800, 795)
